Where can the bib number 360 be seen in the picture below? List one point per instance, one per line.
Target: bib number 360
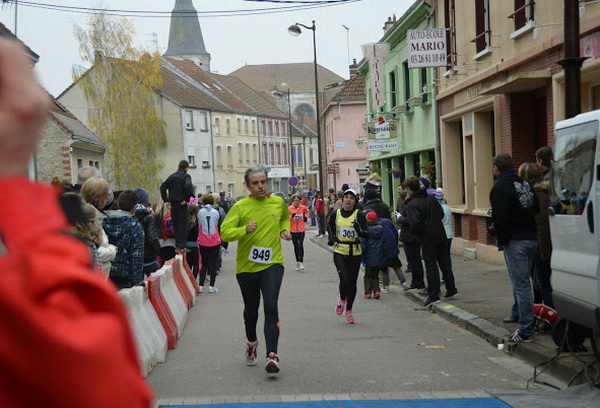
(260, 255)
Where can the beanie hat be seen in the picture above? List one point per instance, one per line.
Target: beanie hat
(372, 217)
(142, 196)
(439, 193)
(370, 194)
(350, 191)
(425, 182)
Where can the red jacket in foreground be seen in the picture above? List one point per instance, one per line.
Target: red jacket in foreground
(65, 339)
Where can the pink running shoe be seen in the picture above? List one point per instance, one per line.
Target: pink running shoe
(272, 363)
(349, 317)
(339, 308)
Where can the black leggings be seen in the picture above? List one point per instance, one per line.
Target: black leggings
(298, 241)
(193, 260)
(252, 284)
(347, 267)
(210, 261)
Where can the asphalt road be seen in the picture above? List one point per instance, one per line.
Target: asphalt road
(395, 346)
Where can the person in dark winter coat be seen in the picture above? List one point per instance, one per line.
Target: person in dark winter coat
(177, 189)
(514, 206)
(424, 216)
(126, 233)
(145, 217)
(412, 247)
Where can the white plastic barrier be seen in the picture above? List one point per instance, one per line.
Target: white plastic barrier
(156, 328)
(144, 348)
(186, 278)
(173, 297)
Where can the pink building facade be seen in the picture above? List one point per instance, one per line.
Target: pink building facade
(345, 139)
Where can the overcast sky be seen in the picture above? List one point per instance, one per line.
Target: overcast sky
(232, 40)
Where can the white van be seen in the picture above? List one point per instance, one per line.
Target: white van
(575, 221)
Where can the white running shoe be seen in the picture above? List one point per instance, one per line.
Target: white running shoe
(251, 353)
(272, 363)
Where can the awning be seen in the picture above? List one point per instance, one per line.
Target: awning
(518, 82)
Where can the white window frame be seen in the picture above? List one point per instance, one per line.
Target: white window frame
(191, 154)
(188, 118)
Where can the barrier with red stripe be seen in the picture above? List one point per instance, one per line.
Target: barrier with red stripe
(190, 275)
(162, 310)
(186, 294)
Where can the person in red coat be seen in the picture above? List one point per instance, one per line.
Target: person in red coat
(320, 211)
(66, 340)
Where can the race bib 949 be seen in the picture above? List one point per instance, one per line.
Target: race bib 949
(298, 217)
(260, 255)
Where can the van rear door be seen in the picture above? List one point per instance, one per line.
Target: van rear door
(575, 227)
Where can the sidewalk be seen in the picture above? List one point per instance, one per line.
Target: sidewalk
(484, 299)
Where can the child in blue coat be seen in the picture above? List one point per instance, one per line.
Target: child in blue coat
(374, 259)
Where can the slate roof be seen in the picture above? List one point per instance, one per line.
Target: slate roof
(5, 32)
(78, 131)
(205, 79)
(253, 98)
(305, 126)
(187, 94)
(296, 76)
(185, 35)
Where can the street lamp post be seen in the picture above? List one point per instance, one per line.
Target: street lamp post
(290, 132)
(295, 31)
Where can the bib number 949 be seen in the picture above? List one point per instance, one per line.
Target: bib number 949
(260, 255)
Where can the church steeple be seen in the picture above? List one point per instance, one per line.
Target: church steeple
(185, 35)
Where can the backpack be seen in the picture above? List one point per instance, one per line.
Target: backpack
(168, 231)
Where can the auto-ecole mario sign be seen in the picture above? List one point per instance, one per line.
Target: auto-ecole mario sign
(427, 48)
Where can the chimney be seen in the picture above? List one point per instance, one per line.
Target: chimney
(388, 24)
(353, 68)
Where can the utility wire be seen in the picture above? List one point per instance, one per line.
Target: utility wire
(299, 1)
(211, 13)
